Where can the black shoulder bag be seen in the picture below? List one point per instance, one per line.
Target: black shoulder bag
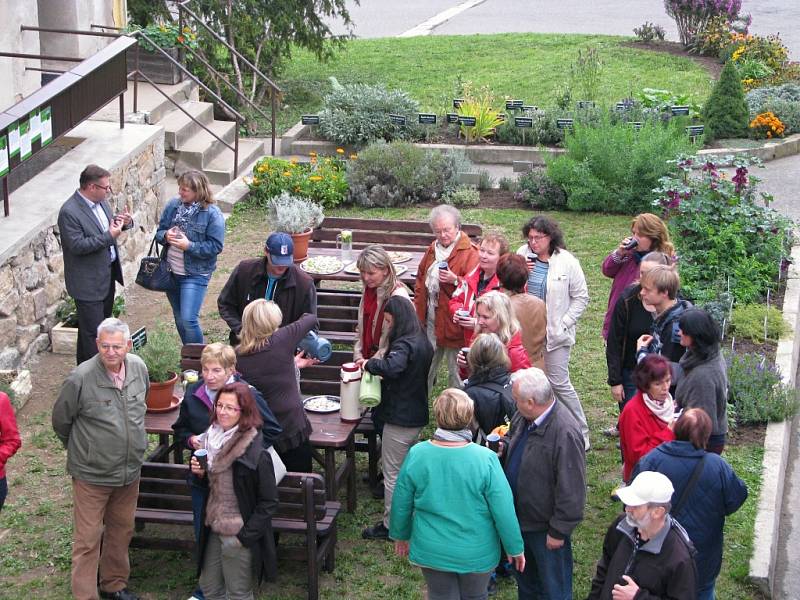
(154, 271)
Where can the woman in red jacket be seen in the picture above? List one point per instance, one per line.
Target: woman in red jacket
(9, 442)
(494, 314)
(648, 417)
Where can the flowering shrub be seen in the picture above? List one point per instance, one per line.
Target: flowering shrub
(719, 33)
(758, 59)
(321, 180)
(725, 238)
(540, 191)
(756, 392)
(692, 16)
(649, 32)
(766, 125)
(783, 101)
(165, 36)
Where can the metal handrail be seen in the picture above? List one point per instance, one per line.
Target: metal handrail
(234, 148)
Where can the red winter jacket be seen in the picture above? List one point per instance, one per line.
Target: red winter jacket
(9, 434)
(517, 354)
(639, 432)
(465, 295)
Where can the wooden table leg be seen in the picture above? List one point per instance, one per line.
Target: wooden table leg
(350, 458)
(330, 474)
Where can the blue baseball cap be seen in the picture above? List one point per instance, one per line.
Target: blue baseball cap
(281, 249)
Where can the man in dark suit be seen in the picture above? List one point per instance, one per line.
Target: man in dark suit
(89, 232)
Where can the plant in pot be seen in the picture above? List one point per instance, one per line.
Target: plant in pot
(296, 216)
(168, 38)
(64, 335)
(161, 355)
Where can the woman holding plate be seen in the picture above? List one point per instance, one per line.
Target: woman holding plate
(266, 360)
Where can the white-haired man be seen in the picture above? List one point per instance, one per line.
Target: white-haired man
(546, 468)
(646, 553)
(99, 417)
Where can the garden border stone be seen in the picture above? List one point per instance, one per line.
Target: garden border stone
(776, 444)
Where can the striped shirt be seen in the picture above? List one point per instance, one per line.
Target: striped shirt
(537, 279)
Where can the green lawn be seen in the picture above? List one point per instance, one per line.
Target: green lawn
(529, 66)
(34, 557)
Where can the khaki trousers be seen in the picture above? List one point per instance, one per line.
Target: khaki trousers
(101, 513)
(396, 441)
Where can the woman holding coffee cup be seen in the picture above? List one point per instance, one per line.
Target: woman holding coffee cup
(648, 234)
(479, 281)
(237, 547)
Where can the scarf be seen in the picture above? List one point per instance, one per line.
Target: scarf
(440, 253)
(446, 435)
(184, 215)
(373, 323)
(663, 410)
(215, 438)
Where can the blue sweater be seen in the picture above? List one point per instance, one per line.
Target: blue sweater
(454, 505)
(717, 494)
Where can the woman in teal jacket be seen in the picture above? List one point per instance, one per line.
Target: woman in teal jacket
(452, 507)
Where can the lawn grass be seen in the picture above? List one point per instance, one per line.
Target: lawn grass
(34, 557)
(529, 66)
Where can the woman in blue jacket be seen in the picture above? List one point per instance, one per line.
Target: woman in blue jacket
(193, 230)
(706, 491)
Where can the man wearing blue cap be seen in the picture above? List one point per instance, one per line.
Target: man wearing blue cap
(273, 277)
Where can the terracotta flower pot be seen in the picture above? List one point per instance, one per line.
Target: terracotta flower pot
(160, 393)
(300, 241)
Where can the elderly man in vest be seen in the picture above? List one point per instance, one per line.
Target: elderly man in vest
(99, 417)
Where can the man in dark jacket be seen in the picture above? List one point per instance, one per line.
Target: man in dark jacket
(714, 493)
(660, 291)
(646, 553)
(546, 468)
(274, 277)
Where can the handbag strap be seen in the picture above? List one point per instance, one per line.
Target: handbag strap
(159, 252)
(687, 491)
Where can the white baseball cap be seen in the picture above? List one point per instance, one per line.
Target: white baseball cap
(647, 486)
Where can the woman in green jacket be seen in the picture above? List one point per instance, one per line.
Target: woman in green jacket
(452, 507)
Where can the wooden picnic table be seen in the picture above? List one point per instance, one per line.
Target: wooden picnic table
(408, 277)
(328, 434)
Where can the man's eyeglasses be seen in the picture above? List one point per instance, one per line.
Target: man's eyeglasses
(106, 188)
(227, 408)
(114, 347)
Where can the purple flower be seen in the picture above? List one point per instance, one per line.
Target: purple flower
(740, 179)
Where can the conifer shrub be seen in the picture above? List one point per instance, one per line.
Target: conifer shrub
(725, 114)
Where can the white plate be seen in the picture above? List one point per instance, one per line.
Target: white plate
(322, 265)
(351, 269)
(399, 256)
(322, 404)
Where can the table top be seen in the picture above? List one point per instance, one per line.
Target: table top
(408, 277)
(327, 429)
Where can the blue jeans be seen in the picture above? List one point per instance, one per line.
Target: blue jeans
(706, 592)
(186, 301)
(548, 573)
(3, 491)
(628, 387)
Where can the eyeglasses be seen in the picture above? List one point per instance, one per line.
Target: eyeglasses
(537, 238)
(227, 408)
(114, 347)
(106, 188)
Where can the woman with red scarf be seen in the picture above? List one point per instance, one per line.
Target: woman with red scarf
(380, 284)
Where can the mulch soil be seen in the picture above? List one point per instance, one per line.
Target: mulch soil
(709, 63)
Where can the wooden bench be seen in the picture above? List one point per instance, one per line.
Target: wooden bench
(392, 234)
(165, 498)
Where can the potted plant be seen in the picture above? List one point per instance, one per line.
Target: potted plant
(64, 335)
(161, 354)
(153, 63)
(298, 217)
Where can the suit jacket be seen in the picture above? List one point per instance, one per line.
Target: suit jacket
(87, 270)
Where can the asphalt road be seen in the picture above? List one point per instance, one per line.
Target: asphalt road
(382, 18)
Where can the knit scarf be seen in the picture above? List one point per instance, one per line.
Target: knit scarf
(184, 215)
(215, 438)
(663, 410)
(446, 435)
(440, 253)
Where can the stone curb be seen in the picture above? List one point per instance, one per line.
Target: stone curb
(776, 445)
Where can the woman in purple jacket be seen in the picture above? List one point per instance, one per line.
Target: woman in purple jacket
(648, 234)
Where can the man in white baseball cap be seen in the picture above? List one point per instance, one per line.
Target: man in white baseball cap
(645, 548)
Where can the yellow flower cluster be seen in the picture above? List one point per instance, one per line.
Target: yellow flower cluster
(768, 124)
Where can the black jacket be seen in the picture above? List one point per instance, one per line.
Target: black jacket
(404, 388)
(257, 497)
(666, 339)
(195, 414)
(491, 394)
(629, 321)
(663, 568)
(295, 294)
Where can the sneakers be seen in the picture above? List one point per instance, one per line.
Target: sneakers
(376, 532)
(123, 594)
(611, 432)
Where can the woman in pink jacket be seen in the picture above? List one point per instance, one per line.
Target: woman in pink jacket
(9, 441)
(648, 234)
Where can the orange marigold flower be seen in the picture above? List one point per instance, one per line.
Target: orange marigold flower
(353, 156)
(287, 173)
(181, 39)
(340, 151)
(315, 178)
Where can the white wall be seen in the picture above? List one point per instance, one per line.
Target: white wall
(15, 81)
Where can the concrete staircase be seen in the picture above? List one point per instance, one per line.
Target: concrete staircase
(186, 144)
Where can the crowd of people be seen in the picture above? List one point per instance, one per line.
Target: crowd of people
(499, 488)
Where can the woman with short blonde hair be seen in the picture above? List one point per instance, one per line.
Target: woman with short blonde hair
(222, 354)
(261, 318)
(443, 484)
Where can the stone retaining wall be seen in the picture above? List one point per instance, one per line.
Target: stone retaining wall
(32, 280)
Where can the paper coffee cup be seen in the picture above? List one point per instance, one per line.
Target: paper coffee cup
(202, 457)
